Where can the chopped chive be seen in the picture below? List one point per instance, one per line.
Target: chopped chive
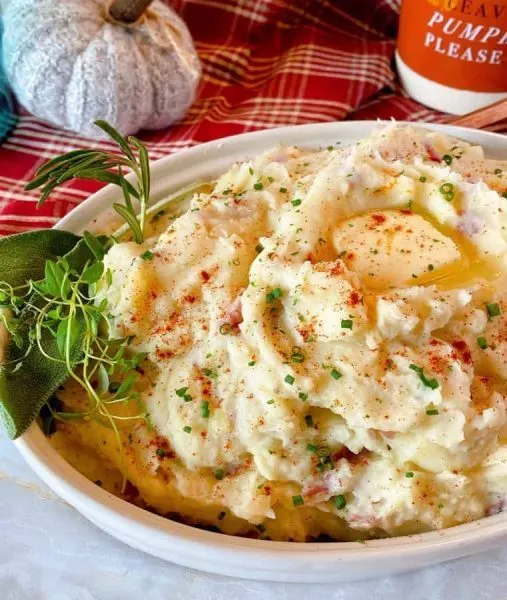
(422, 178)
(409, 474)
(187, 429)
(347, 323)
(259, 248)
(430, 267)
(309, 420)
(297, 500)
(482, 342)
(258, 186)
(283, 190)
(148, 255)
(330, 148)
(302, 396)
(432, 412)
(251, 363)
(271, 401)
(447, 191)
(447, 158)
(210, 373)
(311, 448)
(289, 379)
(431, 383)
(297, 355)
(340, 501)
(205, 409)
(250, 170)
(219, 474)
(335, 374)
(273, 295)
(296, 202)
(181, 392)
(493, 309)
(225, 329)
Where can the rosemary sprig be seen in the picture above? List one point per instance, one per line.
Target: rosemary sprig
(106, 167)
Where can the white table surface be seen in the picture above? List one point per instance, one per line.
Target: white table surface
(49, 552)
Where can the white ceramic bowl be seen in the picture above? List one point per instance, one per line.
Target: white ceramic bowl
(218, 553)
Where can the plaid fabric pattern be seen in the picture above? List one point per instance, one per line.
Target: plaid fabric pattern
(266, 63)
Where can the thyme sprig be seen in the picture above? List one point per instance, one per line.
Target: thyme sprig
(105, 167)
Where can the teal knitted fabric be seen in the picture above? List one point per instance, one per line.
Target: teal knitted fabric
(8, 115)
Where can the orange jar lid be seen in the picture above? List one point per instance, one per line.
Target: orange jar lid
(459, 43)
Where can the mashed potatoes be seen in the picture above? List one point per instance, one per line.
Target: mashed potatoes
(326, 339)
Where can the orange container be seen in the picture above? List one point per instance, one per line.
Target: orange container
(452, 54)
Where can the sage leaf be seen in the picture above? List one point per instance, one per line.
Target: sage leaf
(23, 255)
(24, 392)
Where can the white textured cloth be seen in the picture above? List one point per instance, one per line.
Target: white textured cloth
(49, 552)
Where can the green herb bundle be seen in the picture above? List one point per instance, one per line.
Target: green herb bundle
(56, 322)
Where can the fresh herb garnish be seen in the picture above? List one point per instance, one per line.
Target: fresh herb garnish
(289, 379)
(493, 309)
(205, 409)
(297, 355)
(106, 167)
(482, 342)
(431, 383)
(273, 295)
(340, 501)
(335, 374)
(219, 474)
(347, 323)
(225, 329)
(297, 500)
(59, 330)
(447, 191)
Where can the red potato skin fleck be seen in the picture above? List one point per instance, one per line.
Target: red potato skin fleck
(351, 457)
(233, 315)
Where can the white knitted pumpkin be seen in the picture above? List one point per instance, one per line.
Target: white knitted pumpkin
(69, 64)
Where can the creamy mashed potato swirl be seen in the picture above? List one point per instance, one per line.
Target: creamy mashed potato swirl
(326, 339)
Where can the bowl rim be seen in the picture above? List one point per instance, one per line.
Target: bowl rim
(88, 497)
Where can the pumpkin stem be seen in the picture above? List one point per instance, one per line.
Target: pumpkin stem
(128, 11)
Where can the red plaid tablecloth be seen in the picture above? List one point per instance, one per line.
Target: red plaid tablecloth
(266, 63)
